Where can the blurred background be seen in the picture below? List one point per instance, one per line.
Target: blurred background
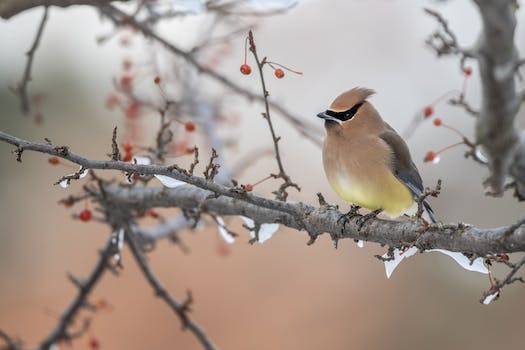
(282, 294)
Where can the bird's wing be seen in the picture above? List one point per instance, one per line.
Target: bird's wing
(403, 167)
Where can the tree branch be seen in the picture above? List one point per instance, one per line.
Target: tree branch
(21, 89)
(281, 193)
(10, 8)
(300, 216)
(180, 308)
(61, 332)
(498, 59)
(120, 18)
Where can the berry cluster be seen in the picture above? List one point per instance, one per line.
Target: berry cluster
(278, 69)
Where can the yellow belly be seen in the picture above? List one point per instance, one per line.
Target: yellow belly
(379, 192)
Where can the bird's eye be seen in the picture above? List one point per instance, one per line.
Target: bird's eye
(346, 115)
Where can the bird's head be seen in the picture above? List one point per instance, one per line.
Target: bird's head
(347, 107)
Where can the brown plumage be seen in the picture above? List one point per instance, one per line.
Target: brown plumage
(366, 162)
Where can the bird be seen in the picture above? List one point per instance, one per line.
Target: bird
(366, 162)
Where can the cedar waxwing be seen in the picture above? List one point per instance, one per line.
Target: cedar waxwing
(366, 162)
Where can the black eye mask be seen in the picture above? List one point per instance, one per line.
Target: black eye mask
(346, 115)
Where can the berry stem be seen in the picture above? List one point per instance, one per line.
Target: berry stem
(449, 147)
(271, 63)
(262, 180)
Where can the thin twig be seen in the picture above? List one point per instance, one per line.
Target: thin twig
(21, 89)
(181, 309)
(281, 193)
(61, 332)
(509, 279)
(120, 18)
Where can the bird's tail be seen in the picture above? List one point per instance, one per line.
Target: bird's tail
(430, 212)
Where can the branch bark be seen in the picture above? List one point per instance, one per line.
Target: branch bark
(316, 221)
(495, 130)
(180, 308)
(498, 61)
(85, 288)
(10, 8)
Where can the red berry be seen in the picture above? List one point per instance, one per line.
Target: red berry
(127, 64)
(248, 187)
(112, 100)
(132, 110)
(153, 213)
(246, 69)
(437, 122)
(279, 73)
(128, 157)
(94, 344)
(157, 80)
(190, 126)
(53, 160)
(467, 71)
(125, 41)
(428, 111)
(128, 147)
(430, 156)
(85, 215)
(126, 82)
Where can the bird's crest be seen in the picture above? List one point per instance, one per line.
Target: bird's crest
(350, 98)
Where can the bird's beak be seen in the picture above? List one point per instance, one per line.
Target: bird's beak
(325, 116)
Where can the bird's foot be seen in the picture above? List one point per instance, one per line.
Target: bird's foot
(363, 219)
(345, 218)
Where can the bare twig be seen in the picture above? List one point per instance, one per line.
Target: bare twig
(61, 332)
(9, 8)
(281, 193)
(10, 343)
(120, 18)
(115, 152)
(428, 192)
(509, 279)
(181, 309)
(21, 89)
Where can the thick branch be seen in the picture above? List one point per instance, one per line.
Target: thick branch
(10, 8)
(232, 201)
(498, 61)
(454, 237)
(497, 58)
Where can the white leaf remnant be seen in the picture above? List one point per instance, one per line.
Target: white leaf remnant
(266, 231)
(223, 232)
(477, 264)
(169, 182)
(489, 298)
(165, 180)
(390, 265)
